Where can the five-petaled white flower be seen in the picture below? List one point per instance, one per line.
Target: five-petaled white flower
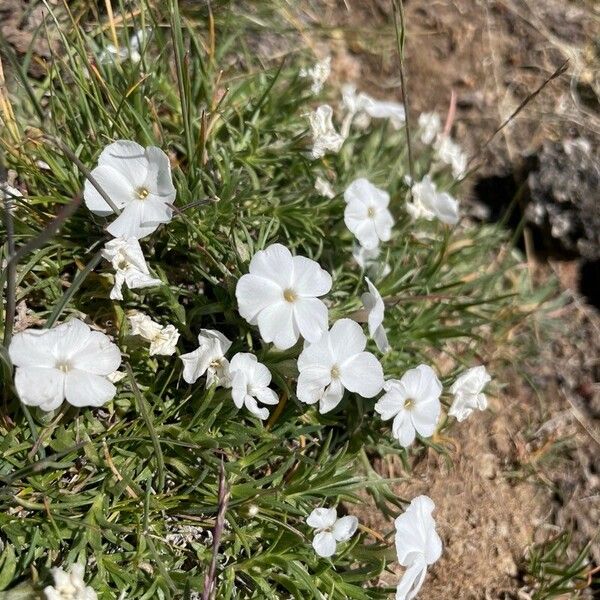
(366, 214)
(429, 204)
(335, 363)
(250, 384)
(138, 181)
(468, 392)
(330, 530)
(131, 269)
(430, 125)
(323, 187)
(68, 361)
(358, 104)
(413, 402)
(208, 358)
(280, 294)
(163, 339)
(69, 586)
(449, 152)
(373, 303)
(318, 73)
(325, 137)
(417, 544)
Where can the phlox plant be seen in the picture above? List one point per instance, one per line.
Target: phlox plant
(139, 489)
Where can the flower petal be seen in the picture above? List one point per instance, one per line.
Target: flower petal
(390, 404)
(312, 383)
(309, 278)
(40, 386)
(98, 356)
(424, 415)
(322, 518)
(345, 528)
(324, 544)
(86, 389)
(129, 222)
(347, 339)
(311, 318)
(366, 234)
(254, 293)
(275, 264)
(403, 429)
(252, 406)
(114, 184)
(362, 374)
(195, 364)
(266, 396)
(411, 581)
(128, 158)
(276, 324)
(33, 348)
(160, 167)
(332, 397)
(383, 224)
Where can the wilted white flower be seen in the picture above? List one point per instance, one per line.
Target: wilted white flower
(324, 188)
(325, 137)
(280, 294)
(9, 192)
(369, 261)
(451, 153)
(250, 384)
(138, 181)
(366, 214)
(208, 358)
(357, 104)
(468, 392)
(68, 361)
(127, 259)
(335, 363)
(329, 530)
(417, 544)
(69, 586)
(163, 339)
(413, 402)
(430, 125)
(373, 302)
(429, 204)
(318, 73)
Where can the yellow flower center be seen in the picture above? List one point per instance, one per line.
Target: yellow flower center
(409, 403)
(371, 212)
(63, 366)
(335, 372)
(290, 295)
(142, 193)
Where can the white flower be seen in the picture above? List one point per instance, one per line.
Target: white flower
(335, 363)
(361, 103)
(468, 392)
(451, 153)
(250, 383)
(280, 294)
(209, 358)
(413, 402)
(329, 530)
(430, 126)
(68, 361)
(368, 260)
(69, 586)
(324, 188)
(163, 339)
(127, 259)
(373, 302)
(366, 214)
(417, 544)
(429, 204)
(325, 137)
(138, 181)
(319, 73)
